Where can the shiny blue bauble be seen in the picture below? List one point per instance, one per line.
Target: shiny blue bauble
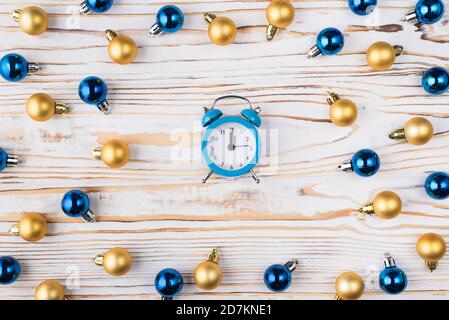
(392, 280)
(277, 278)
(75, 203)
(170, 19)
(436, 80)
(3, 159)
(365, 162)
(13, 67)
(330, 41)
(362, 7)
(429, 11)
(93, 90)
(99, 6)
(437, 185)
(9, 270)
(168, 282)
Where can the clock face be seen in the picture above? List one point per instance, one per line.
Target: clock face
(231, 146)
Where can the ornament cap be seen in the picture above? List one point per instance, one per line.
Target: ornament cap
(97, 153)
(110, 34)
(33, 68)
(398, 134)
(14, 230)
(15, 14)
(398, 50)
(13, 160)
(332, 97)
(214, 256)
(61, 108)
(98, 260)
(155, 30)
(84, 8)
(431, 265)
(291, 264)
(389, 260)
(313, 52)
(104, 107)
(209, 17)
(346, 166)
(367, 209)
(271, 32)
(411, 17)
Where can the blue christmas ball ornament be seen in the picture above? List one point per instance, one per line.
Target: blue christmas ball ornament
(93, 90)
(13, 67)
(3, 159)
(437, 185)
(170, 18)
(329, 42)
(429, 11)
(436, 80)
(362, 7)
(98, 6)
(277, 278)
(76, 203)
(9, 270)
(392, 280)
(365, 162)
(168, 283)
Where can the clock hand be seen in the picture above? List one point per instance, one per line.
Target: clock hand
(231, 145)
(242, 146)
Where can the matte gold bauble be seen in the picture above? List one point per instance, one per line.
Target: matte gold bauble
(49, 290)
(431, 247)
(41, 107)
(418, 131)
(121, 49)
(207, 275)
(31, 227)
(343, 112)
(381, 55)
(280, 13)
(349, 286)
(116, 261)
(32, 20)
(114, 154)
(387, 205)
(222, 30)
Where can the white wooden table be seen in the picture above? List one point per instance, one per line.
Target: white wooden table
(157, 206)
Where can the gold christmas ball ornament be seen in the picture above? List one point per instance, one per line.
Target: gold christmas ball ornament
(32, 20)
(115, 153)
(121, 49)
(280, 14)
(116, 261)
(386, 205)
(207, 274)
(31, 227)
(381, 55)
(417, 131)
(431, 247)
(49, 290)
(41, 107)
(342, 112)
(222, 31)
(349, 286)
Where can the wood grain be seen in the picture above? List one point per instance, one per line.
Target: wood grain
(157, 207)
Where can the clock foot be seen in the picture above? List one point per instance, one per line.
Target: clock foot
(254, 176)
(207, 176)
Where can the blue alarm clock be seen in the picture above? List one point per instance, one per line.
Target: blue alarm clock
(231, 144)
